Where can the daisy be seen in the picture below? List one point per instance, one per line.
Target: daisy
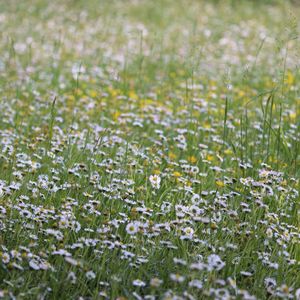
(132, 228)
(214, 262)
(90, 275)
(72, 277)
(138, 282)
(196, 284)
(177, 278)
(155, 181)
(155, 282)
(188, 232)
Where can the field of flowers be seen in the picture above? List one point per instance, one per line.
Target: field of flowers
(149, 149)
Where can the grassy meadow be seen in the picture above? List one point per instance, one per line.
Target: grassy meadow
(149, 149)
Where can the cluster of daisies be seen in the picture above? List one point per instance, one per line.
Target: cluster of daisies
(117, 185)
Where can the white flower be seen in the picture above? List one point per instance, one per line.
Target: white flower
(214, 262)
(5, 258)
(155, 282)
(155, 181)
(166, 207)
(270, 282)
(138, 282)
(177, 278)
(90, 275)
(197, 266)
(196, 283)
(71, 261)
(72, 277)
(62, 252)
(269, 233)
(34, 264)
(188, 232)
(132, 228)
(246, 274)
(297, 294)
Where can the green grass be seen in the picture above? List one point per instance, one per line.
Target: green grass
(97, 97)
